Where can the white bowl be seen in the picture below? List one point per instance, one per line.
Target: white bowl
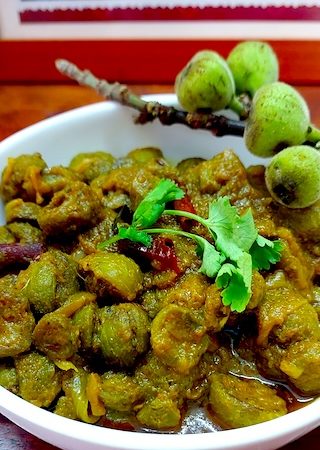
(108, 126)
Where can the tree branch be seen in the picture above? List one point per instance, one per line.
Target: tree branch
(217, 124)
(12, 254)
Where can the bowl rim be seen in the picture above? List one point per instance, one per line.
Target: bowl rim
(292, 424)
(295, 421)
(77, 112)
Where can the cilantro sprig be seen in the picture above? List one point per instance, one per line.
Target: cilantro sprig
(152, 206)
(147, 214)
(236, 251)
(211, 258)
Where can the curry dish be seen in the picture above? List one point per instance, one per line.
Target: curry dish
(137, 337)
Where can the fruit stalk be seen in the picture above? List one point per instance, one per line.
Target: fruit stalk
(313, 135)
(12, 254)
(218, 125)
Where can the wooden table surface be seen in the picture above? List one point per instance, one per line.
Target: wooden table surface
(21, 106)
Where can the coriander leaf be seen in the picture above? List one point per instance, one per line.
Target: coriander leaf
(134, 235)
(244, 264)
(211, 259)
(265, 252)
(233, 233)
(235, 293)
(147, 215)
(245, 232)
(235, 280)
(152, 206)
(127, 233)
(222, 217)
(225, 273)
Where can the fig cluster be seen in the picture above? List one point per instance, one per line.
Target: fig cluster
(276, 116)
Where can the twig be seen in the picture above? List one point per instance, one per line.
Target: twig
(11, 254)
(218, 125)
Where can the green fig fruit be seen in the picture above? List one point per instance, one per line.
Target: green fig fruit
(253, 64)
(206, 82)
(293, 176)
(279, 118)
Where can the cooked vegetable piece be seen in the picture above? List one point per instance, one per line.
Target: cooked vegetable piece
(145, 154)
(91, 165)
(25, 233)
(75, 386)
(301, 363)
(120, 392)
(39, 282)
(160, 413)
(8, 377)
(17, 209)
(132, 181)
(111, 275)
(54, 179)
(5, 236)
(56, 336)
(289, 321)
(258, 290)
(20, 177)
(89, 240)
(93, 389)
(16, 320)
(48, 282)
(38, 377)
(188, 163)
(178, 338)
(84, 319)
(70, 210)
(216, 313)
(239, 403)
(156, 378)
(65, 407)
(304, 222)
(287, 333)
(123, 333)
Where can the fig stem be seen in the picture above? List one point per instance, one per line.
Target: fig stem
(241, 105)
(17, 253)
(313, 135)
(218, 125)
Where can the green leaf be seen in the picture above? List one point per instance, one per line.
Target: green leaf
(134, 235)
(264, 253)
(235, 239)
(211, 259)
(236, 283)
(233, 233)
(127, 233)
(244, 231)
(244, 265)
(225, 273)
(152, 206)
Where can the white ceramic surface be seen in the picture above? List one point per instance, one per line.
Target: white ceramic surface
(108, 126)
